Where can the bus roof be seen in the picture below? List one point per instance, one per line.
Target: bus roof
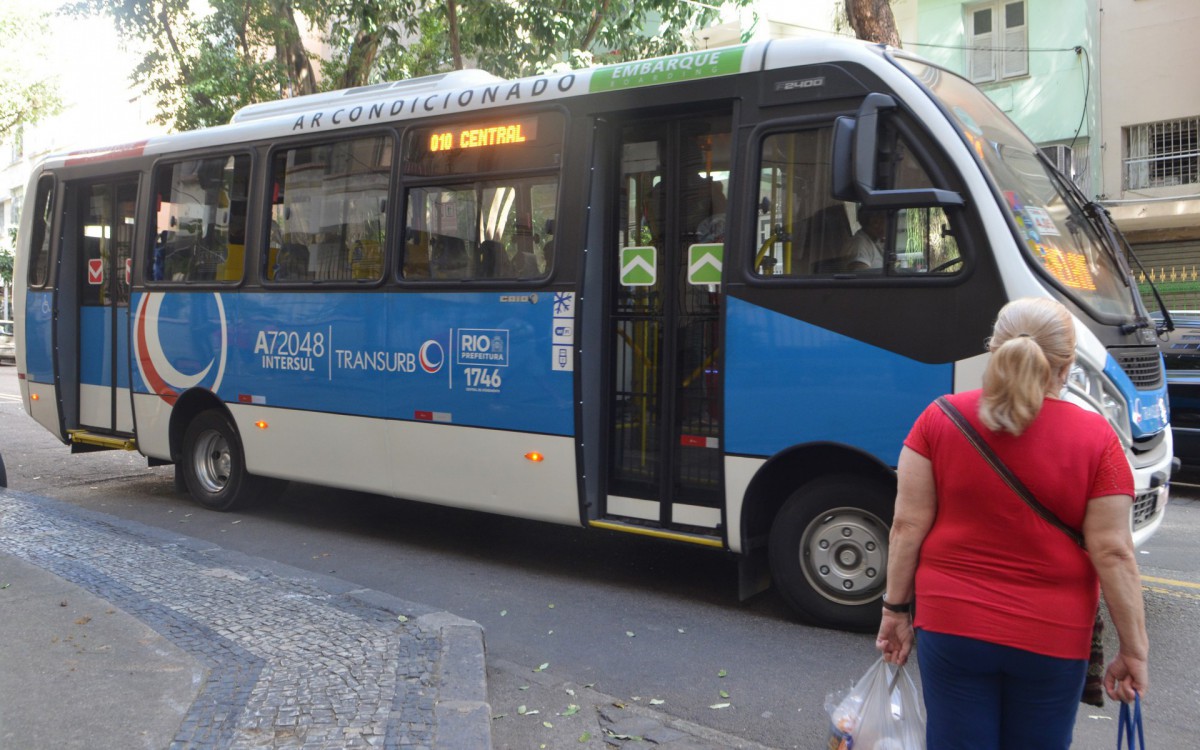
(475, 90)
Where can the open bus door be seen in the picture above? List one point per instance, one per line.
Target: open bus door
(102, 238)
(664, 324)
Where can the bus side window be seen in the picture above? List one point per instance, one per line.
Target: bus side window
(804, 232)
(200, 220)
(39, 237)
(329, 211)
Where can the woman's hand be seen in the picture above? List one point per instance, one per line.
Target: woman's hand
(895, 639)
(1125, 677)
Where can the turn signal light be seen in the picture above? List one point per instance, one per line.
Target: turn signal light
(34, 397)
(261, 425)
(535, 457)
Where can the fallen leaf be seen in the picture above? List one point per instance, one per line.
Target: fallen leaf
(523, 687)
(521, 710)
(402, 618)
(543, 667)
(570, 692)
(547, 725)
(724, 693)
(551, 606)
(585, 736)
(630, 633)
(504, 613)
(571, 710)
(719, 705)
(722, 673)
(657, 701)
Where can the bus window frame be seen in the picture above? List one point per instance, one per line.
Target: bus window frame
(151, 209)
(408, 183)
(265, 205)
(936, 165)
(52, 248)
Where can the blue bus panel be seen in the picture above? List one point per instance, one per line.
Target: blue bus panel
(39, 336)
(790, 382)
(481, 359)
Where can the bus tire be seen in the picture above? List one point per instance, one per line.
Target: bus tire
(828, 551)
(214, 465)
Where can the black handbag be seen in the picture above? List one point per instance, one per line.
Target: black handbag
(1093, 685)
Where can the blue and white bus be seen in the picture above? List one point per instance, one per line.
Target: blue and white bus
(700, 298)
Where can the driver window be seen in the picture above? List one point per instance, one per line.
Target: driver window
(803, 232)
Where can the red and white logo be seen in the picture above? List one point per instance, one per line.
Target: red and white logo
(158, 372)
(432, 356)
(95, 271)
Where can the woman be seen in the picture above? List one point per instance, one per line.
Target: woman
(1005, 601)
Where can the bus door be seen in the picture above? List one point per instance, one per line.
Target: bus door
(664, 453)
(103, 238)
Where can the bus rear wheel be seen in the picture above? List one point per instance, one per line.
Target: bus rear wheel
(828, 551)
(214, 465)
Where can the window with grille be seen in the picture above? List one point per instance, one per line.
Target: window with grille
(998, 36)
(1162, 154)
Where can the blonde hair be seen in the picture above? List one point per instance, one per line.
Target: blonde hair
(1032, 342)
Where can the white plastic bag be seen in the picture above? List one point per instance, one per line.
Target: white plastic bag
(883, 711)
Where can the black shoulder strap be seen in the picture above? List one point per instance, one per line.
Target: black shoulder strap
(1005, 473)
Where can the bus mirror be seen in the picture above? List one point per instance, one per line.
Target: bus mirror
(855, 153)
(843, 160)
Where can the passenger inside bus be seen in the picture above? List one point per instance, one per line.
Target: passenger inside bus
(866, 247)
(291, 264)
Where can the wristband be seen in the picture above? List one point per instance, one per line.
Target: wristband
(900, 608)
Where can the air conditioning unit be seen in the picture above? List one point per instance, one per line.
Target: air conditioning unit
(1061, 157)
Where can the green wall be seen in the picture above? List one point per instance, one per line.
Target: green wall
(1048, 103)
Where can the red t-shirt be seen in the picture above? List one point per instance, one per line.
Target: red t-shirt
(990, 568)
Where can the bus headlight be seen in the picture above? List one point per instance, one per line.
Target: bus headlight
(1095, 389)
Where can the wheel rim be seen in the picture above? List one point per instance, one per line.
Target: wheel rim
(212, 461)
(843, 554)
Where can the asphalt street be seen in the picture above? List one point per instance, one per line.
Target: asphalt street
(651, 626)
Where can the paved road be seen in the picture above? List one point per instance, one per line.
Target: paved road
(634, 619)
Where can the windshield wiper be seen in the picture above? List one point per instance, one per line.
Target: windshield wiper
(1100, 218)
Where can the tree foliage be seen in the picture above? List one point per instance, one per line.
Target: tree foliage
(27, 92)
(202, 67)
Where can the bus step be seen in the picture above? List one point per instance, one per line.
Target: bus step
(104, 441)
(678, 536)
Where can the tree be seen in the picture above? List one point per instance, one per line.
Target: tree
(873, 21)
(203, 67)
(28, 92)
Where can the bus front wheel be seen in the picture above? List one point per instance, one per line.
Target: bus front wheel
(828, 551)
(213, 464)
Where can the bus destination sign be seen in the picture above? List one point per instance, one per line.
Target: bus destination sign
(481, 136)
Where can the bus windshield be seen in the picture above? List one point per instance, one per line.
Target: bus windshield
(1057, 233)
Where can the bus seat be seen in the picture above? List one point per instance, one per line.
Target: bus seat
(492, 260)
(416, 254)
(449, 258)
(823, 239)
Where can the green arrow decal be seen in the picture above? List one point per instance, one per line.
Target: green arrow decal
(639, 266)
(704, 263)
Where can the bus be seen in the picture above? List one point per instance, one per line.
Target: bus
(640, 297)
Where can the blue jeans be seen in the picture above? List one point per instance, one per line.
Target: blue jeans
(981, 696)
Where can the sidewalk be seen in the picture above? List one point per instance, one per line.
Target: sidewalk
(117, 635)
